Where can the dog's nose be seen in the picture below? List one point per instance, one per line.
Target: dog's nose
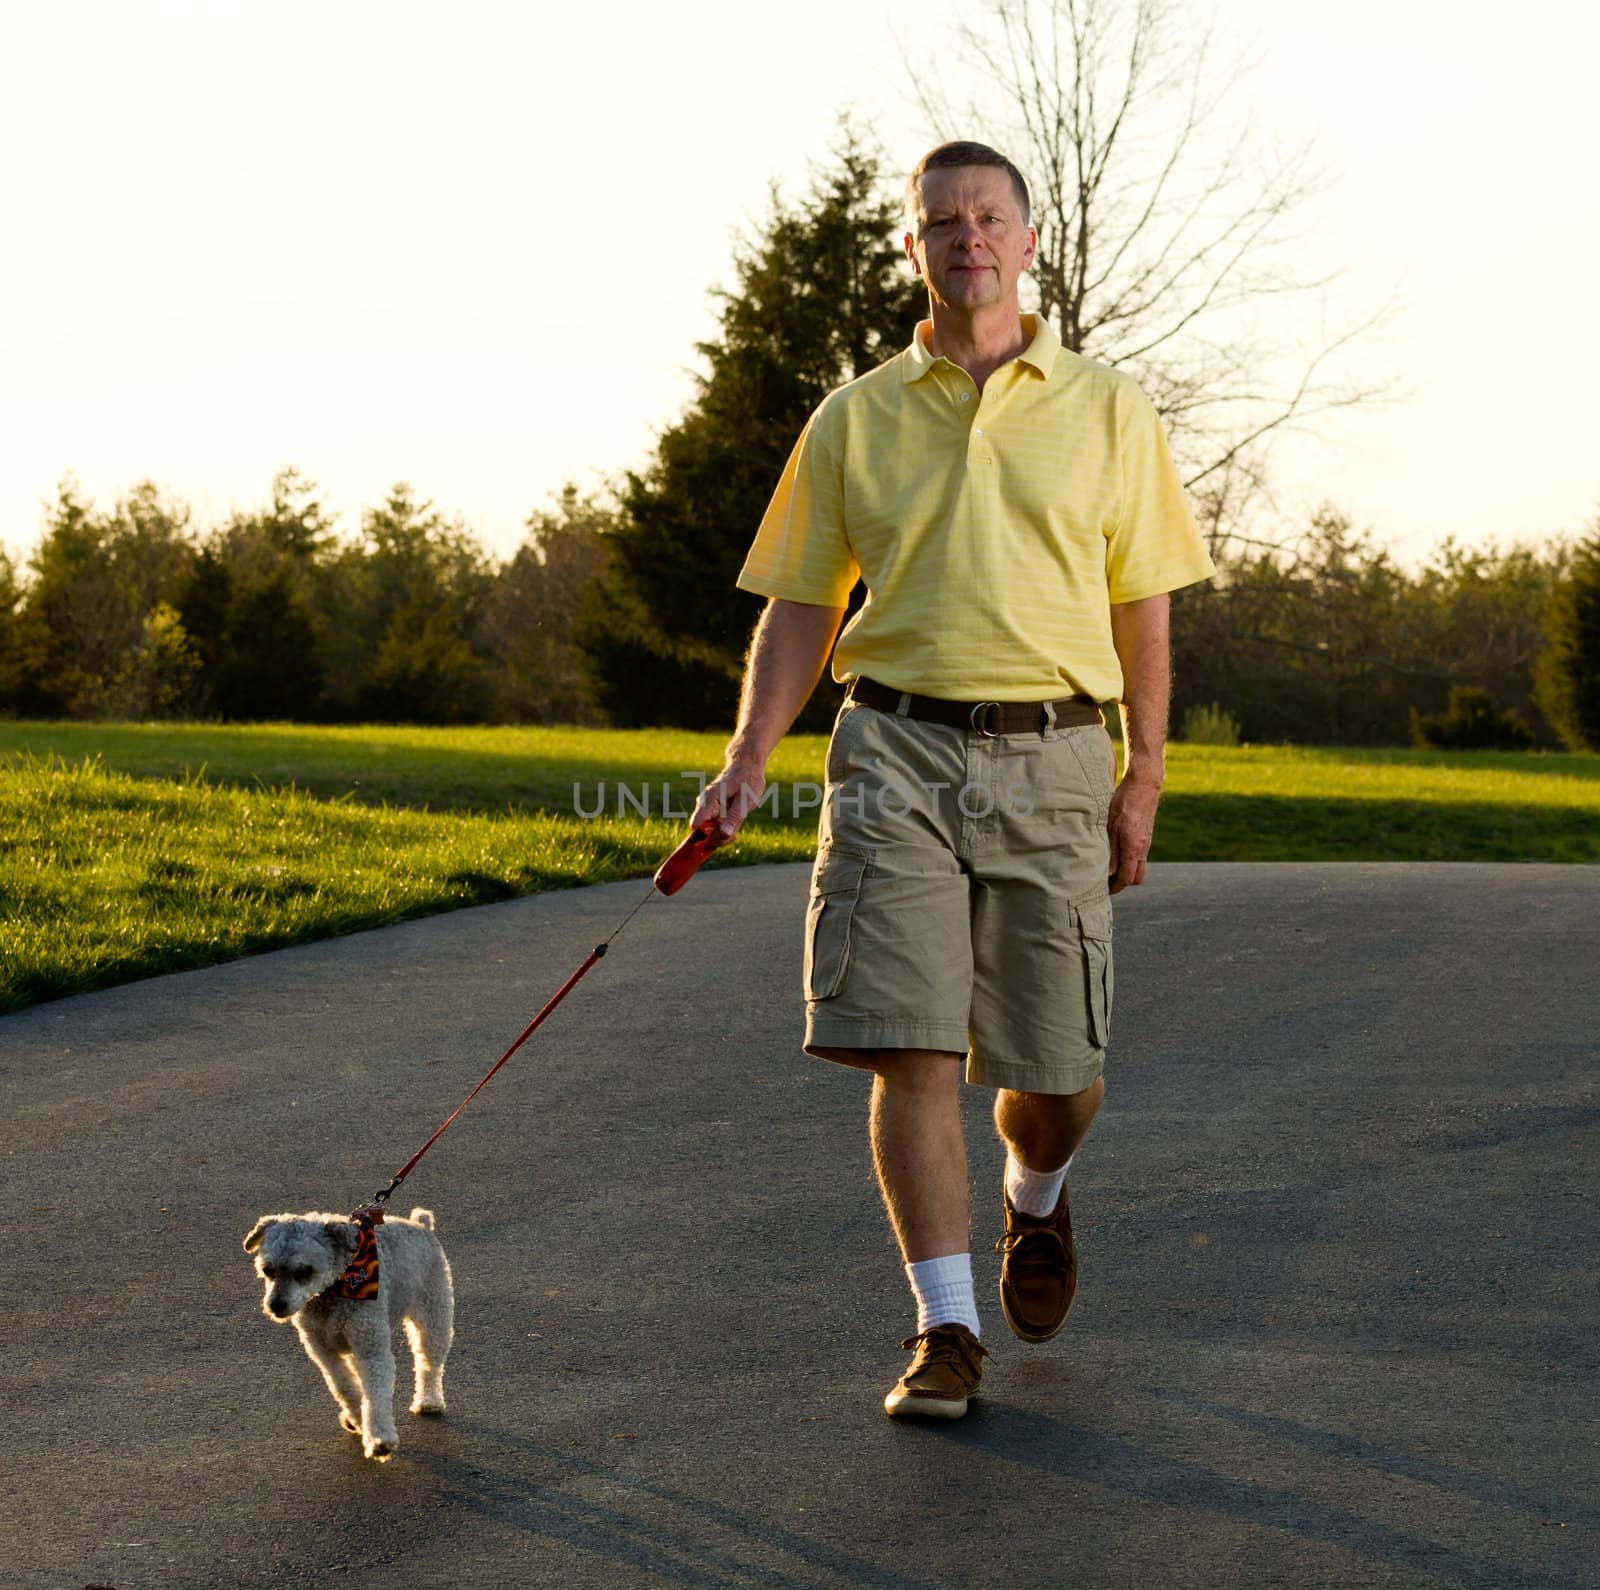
(276, 1305)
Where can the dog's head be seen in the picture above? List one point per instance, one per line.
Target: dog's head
(298, 1256)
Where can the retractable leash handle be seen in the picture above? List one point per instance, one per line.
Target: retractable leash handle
(685, 861)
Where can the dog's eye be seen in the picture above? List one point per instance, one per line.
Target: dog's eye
(304, 1273)
(270, 1271)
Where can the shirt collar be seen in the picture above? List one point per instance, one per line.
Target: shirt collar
(1040, 354)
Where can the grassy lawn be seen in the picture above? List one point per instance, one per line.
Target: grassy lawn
(130, 850)
(1291, 803)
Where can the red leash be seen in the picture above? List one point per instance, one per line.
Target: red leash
(671, 876)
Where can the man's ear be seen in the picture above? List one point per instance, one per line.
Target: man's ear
(1032, 248)
(911, 253)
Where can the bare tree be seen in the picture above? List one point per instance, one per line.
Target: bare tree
(1157, 246)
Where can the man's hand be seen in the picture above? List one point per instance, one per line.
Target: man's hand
(1139, 632)
(1130, 827)
(730, 797)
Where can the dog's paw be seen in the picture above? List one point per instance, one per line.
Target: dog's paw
(380, 1451)
(428, 1410)
(350, 1422)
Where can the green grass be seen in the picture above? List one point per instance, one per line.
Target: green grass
(130, 850)
(1291, 803)
(442, 769)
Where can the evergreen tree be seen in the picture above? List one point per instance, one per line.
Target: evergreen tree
(96, 579)
(535, 604)
(269, 665)
(402, 618)
(1567, 674)
(10, 634)
(820, 298)
(247, 606)
(293, 536)
(203, 603)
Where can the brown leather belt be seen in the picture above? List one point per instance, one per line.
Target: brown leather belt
(989, 718)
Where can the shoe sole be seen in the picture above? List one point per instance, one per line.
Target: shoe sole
(924, 1407)
(1027, 1333)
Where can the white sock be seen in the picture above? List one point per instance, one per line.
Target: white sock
(1033, 1192)
(944, 1292)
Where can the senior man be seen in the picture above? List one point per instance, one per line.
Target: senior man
(1014, 513)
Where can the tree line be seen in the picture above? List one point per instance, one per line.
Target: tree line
(620, 605)
(131, 613)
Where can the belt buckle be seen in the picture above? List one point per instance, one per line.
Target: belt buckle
(982, 728)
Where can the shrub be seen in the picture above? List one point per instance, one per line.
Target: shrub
(1567, 672)
(1210, 725)
(1472, 722)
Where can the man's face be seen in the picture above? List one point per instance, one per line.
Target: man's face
(971, 245)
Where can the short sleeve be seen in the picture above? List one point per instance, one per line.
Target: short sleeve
(1156, 545)
(801, 552)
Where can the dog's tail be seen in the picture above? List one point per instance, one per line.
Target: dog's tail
(423, 1217)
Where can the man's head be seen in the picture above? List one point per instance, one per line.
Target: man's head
(970, 239)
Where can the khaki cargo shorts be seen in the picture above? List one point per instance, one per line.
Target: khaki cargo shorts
(958, 900)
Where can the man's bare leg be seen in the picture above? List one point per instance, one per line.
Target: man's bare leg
(918, 1150)
(1043, 1130)
(921, 1158)
(914, 1123)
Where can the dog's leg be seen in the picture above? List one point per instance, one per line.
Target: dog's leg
(340, 1380)
(430, 1328)
(373, 1356)
(429, 1344)
(350, 1414)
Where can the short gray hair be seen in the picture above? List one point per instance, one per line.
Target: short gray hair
(963, 152)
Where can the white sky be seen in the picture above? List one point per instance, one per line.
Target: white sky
(470, 246)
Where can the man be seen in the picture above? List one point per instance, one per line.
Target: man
(1014, 513)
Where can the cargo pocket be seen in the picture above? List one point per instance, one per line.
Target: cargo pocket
(835, 888)
(1094, 931)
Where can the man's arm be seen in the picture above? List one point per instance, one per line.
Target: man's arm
(787, 652)
(1139, 633)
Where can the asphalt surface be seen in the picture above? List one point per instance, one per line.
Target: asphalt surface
(1338, 1224)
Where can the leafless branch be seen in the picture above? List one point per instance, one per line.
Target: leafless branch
(1151, 228)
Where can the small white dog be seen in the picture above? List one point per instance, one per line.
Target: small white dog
(322, 1272)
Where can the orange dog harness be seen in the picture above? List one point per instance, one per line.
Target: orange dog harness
(360, 1279)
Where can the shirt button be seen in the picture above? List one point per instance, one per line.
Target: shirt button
(965, 396)
(978, 432)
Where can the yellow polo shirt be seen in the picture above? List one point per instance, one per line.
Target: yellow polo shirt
(993, 530)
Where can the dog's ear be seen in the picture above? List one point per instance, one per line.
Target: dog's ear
(342, 1234)
(253, 1241)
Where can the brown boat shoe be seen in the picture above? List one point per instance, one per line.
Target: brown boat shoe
(944, 1373)
(1039, 1270)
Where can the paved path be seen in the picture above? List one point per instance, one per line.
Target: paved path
(1337, 1324)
